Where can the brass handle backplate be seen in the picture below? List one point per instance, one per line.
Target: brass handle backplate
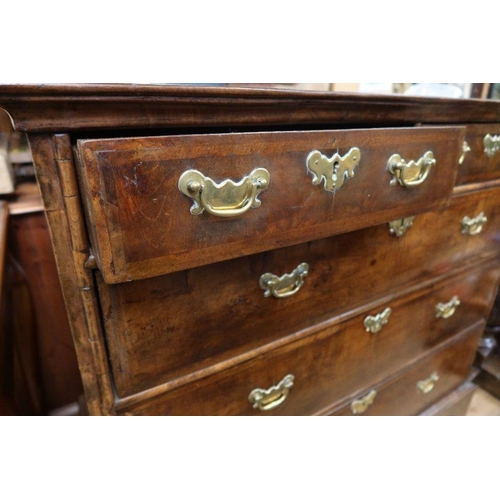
(226, 198)
(412, 173)
(359, 406)
(399, 227)
(375, 323)
(491, 144)
(286, 285)
(473, 226)
(267, 399)
(425, 386)
(333, 171)
(448, 308)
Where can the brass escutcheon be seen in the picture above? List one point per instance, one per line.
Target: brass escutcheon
(412, 173)
(286, 285)
(399, 227)
(226, 198)
(267, 399)
(465, 150)
(333, 171)
(491, 144)
(473, 226)
(448, 308)
(359, 406)
(375, 323)
(425, 386)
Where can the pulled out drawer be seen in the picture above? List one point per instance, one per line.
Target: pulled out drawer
(327, 366)
(156, 205)
(422, 385)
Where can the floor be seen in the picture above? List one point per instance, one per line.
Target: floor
(483, 404)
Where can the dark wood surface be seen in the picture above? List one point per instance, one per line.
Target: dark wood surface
(143, 226)
(144, 335)
(36, 279)
(56, 176)
(349, 354)
(399, 395)
(195, 320)
(477, 165)
(455, 404)
(64, 108)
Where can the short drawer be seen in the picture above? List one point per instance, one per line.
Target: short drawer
(162, 204)
(480, 160)
(422, 385)
(328, 365)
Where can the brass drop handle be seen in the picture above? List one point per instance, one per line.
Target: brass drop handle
(399, 227)
(473, 226)
(425, 386)
(333, 171)
(491, 144)
(375, 323)
(227, 198)
(410, 174)
(465, 150)
(359, 406)
(267, 399)
(448, 308)
(286, 285)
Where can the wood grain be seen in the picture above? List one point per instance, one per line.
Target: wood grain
(142, 222)
(399, 396)
(204, 315)
(64, 108)
(477, 165)
(50, 155)
(344, 352)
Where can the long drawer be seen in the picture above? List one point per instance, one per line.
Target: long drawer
(352, 354)
(163, 204)
(422, 385)
(162, 328)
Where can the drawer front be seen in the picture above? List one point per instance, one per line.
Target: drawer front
(140, 210)
(454, 404)
(481, 156)
(188, 320)
(346, 353)
(425, 383)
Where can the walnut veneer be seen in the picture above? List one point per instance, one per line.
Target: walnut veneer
(175, 313)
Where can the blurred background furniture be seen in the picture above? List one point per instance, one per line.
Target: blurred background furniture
(38, 368)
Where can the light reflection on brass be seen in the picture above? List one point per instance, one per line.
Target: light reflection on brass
(267, 399)
(473, 226)
(425, 386)
(286, 285)
(465, 150)
(447, 309)
(399, 227)
(412, 173)
(375, 323)
(361, 405)
(491, 144)
(226, 198)
(333, 171)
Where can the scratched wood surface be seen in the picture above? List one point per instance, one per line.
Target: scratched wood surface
(176, 339)
(142, 225)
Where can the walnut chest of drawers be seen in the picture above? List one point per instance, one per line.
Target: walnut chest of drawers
(267, 252)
